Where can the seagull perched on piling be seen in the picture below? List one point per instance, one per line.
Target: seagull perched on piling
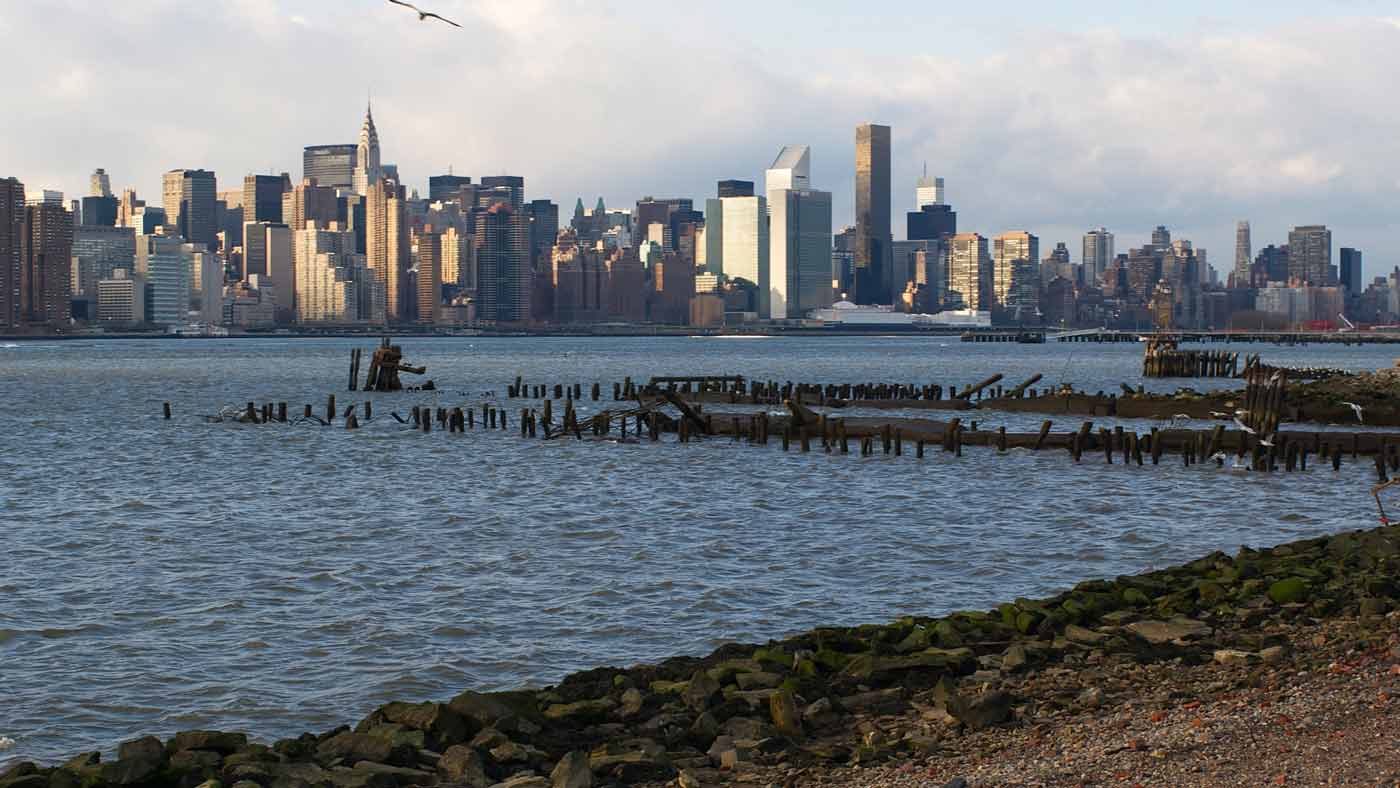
(1357, 409)
(1215, 414)
(423, 15)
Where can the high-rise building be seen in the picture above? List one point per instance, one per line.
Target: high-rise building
(47, 263)
(580, 281)
(268, 254)
(1015, 278)
(367, 167)
(1057, 263)
(126, 207)
(387, 245)
(189, 197)
(736, 240)
(428, 254)
(446, 187)
(97, 252)
(100, 185)
(543, 219)
(873, 234)
(206, 282)
(146, 219)
(458, 258)
(330, 165)
(503, 265)
(99, 211)
(121, 298)
(308, 201)
(327, 269)
(928, 192)
(799, 232)
(1351, 270)
(1161, 237)
(969, 273)
(515, 186)
(11, 233)
(262, 198)
(735, 188)
(931, 222)
(1310, 254)
(1098, 253)
(166, 271)
(1244, 255)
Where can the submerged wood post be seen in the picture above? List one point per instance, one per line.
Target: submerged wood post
(306, 414)
(1001, 439)
(1135, 444)
(330, 408)
(1076, 445)
(354, 367)
(841, 436)
(1044, 433)
(1107, 438)
(919, 449)
(282, 412)
(899, 443)
(1156, 446)
(352, 423)
(250, 413)
(166, 408)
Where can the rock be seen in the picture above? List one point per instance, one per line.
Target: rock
(298, 774)
(885, 701)
(1013, 658)
(1273, 654)
(635, 751)
(27, 781)
(733, 757)
(982, 711)
(462, 765)
(702, 692)
(1090, 698)
(720, 745)
(1083, 635)
(956, 782)
(1229, 656)
(524, 781)
(782, 708)
(752, 681)
(632, 702)
(214, 741)
(744, 728)
(1177, 629)
(196, 761)
(572, 771)
(1371, 606)
(513, 752)
(584, 710)
(868, 667)
(137, 761)
(1288, 591)
(817, 708)
(705, 728)
(350, 748)
(487, 739)
(506, 711)
(378, 774)
(687, 779)
(443, 726)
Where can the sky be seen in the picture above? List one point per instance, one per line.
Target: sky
(1050, 117)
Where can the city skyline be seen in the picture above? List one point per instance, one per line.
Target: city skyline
(1004, 126)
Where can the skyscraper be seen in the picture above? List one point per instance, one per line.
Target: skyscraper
(928, 192)
(1162, 237)
(515, 185)
(167, 274)
(446, 187)
(503, 265)
(46, 268)
(99, 211)
(735, 188)
(1015, 279)
(11, 230)
(268, 253)
(189, 197)
(1098, 253)
(386, 245)
(262, 198)
(873, 234)
(1310, 254)
(1244, 254)
(736, 240)
(367, 168)
(330, 165)
(97, 252)
(969, 273)
(1351, 270)
(99, 184)
(543, 219)
(799, 257)
(308, 201)
(429, 260)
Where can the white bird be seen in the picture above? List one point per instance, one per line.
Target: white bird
(1269, 441)
(6, 743)
(1180, 418)
(1357, 409)
(1218, 415)
(423, 15)
(1219, 457)
(1244, 427)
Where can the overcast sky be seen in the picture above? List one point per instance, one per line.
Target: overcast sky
(1052, 117)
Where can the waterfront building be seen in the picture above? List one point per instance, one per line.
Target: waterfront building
(387, 245)
(504, 280)
(189, 197)
(1351, 270)
(873, 233)
(330, 165)
(1244, 255)
(206, 282)
(97, 252)
(262, 198)
(737, 242)
(250, 304)
(1097, 254)
(1015, 278)
(11, 233)
(166, 271)
(368, 171)
(1310, 254)
(121, 297)
(799, 233)
(46, 266)
(969, 274)
(327, 269)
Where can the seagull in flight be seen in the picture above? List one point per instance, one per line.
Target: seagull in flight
(1356, 408)
(1217, 414)
(423, 15)
(1269, 441)
(1243, 427)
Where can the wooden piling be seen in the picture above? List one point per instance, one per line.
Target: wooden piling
(1044, 433)
(166, 408)
(330, 408)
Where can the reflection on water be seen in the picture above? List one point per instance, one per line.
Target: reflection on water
(173, 575)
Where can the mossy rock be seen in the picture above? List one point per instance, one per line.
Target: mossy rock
(1293, 589)
(773, 655)
(1136, 597)
(947, 634)
(1209, 593)
(833, 661)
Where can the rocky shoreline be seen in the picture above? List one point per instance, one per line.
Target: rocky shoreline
(918, 701)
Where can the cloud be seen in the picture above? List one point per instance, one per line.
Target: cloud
(1034, 128)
